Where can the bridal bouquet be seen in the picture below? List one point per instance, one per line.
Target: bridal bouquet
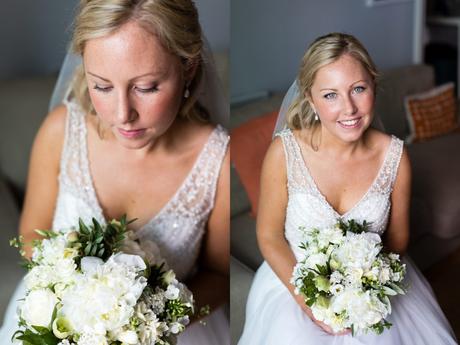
(346, 278)
(96, 286)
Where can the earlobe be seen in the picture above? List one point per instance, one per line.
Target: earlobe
(310, 102)
(190, 71)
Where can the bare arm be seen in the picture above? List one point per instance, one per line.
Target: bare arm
(270, 222)
(42, 181)
(210, 285)
(397, 234)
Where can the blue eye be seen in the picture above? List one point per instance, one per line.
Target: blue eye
(359, 89)
(102, 89)
(331, 95)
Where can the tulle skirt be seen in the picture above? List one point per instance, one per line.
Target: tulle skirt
(213, 330)
(273, 317)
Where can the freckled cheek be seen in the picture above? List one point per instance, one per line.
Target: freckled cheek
(102, 104)
(159, 109)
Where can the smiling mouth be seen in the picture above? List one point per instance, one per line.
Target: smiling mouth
(353, 123)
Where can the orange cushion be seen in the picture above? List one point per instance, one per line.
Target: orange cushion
(432, 113)
(248, 146)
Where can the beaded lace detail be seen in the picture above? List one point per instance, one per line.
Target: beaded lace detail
(309, 208)
(177, 229)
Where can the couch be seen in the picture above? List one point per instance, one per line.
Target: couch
(435, 210)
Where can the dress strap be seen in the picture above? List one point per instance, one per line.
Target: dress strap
(387, 175)
(196, 196)
(296, 177)
(74, 175)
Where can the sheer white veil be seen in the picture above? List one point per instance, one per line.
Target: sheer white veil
(210, 92)
(291, 95)
(289, 98)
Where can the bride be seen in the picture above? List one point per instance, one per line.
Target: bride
(133, 137)
(336, 167)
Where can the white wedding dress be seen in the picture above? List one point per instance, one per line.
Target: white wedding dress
(177, 229)
(272, 315)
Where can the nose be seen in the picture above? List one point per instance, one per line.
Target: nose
(125, 111)
(350, 106)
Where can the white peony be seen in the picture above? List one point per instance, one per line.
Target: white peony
(358, 250)
(103, 298)
(37, 308)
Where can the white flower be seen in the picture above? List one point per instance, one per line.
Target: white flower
(128, 337)
(176, 327)
(316, 259)
(336, 289)
(104, 296)
(336, 277)
(172, 292)
(384, 275)
(61, 328)
(92, 339)
(358, 250)
(169, 277)
(38, 307)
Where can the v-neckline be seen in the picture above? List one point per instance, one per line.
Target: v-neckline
(309, 176)
(92, 189)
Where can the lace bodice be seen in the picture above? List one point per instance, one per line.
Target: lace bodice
(177, 229)
(309, 208)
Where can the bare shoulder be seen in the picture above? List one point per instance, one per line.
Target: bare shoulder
(275, 161)
(50, 136)
(53, 126)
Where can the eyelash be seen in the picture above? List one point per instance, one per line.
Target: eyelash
(109, 88)
(333, 95)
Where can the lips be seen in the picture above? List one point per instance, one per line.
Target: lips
(131, 133)
(351, 123)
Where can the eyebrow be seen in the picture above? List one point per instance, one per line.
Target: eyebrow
(356, 82)
(153, 74)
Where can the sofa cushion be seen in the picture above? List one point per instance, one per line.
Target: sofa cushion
(392, 87)
(9, 257)
(435, 182)
(249, 144)
(431, 113)
(23, 106)
(243, 241)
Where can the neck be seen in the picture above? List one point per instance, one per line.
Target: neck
(336, 148)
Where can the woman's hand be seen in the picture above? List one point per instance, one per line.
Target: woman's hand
(300, 301)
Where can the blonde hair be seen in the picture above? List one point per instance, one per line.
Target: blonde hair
(323, 51)
(174, 22)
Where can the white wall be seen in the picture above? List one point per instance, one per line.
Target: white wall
(34, 33)
(269, 37)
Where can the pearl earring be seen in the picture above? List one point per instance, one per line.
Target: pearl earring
(316, 116)
(187, 93)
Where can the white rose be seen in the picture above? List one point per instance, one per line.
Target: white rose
(38, 307)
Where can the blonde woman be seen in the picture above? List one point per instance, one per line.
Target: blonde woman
(132, 138)
(335, 166)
